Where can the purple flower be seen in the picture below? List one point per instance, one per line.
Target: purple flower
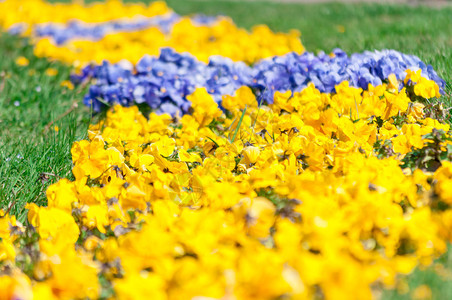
(164, 82)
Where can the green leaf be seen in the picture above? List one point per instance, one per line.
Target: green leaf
(238, 125)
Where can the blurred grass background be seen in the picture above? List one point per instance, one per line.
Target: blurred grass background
(34, 155)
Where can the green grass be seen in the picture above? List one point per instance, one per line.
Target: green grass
(32, 158)
(439, 282)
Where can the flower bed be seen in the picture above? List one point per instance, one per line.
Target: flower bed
(164, 82)
(299, 176)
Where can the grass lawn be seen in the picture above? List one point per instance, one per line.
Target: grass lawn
(33, 154)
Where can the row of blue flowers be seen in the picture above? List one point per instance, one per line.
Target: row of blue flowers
(163, 82)
(78, 30)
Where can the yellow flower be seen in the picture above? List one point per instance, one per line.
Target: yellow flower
(411, 137)
(92, 243)
(422, 292)
(68, 84)
(205, 109)
(220, 38)
(22, 61)
(73, 275)
(340, 28)
(141, 161)
(188, 157)
(243, 97)
(51, 72)
(414, 76)
(250, 154)
(53, 223)
(142, 285)
(91, 158)
(165, 146)
(62, 195)
(96, 217)
(393, 83)
(427, 88)
(260, 217)
(7, 251)
(416, 110)
(15, 286)
(396, 103)
(310, 191)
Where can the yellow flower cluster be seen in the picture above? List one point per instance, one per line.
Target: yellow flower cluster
(424, 88)
(33, 12)
(202, 41)
(288, 200)
(222, 37)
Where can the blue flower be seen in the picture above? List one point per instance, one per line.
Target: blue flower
(72, 30)
(164, 82)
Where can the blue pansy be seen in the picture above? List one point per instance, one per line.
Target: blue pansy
(164, 82)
